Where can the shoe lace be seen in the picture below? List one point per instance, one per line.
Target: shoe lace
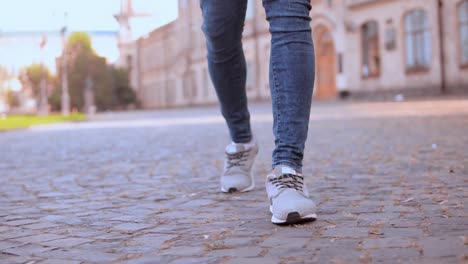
(287, 180)
(237, 159)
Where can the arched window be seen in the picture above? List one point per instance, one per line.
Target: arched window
(370, 49)
(418, 42)
(463, 32)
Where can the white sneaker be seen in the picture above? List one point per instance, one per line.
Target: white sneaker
(289, 198)
(237, 175)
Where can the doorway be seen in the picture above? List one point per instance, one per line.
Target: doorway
(325, 56)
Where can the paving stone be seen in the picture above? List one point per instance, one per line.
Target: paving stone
(382, 217)
(332, 254)
(131, 227)
(153, 240)
(388, 242)
(20, 222)
(402, 232)
(67, 242)
(202, 260)
(16, 233)
(343, 232)
(27, 250)
(240, 241)
(443, 247)
(10, 259)
(4, 228)
(241, 252)
(151, 259)
(134, 194)
(184, 251)
(446, 230)
(39, 238)
(260, 260)
(43, 225)
(279, 241)
(10, 244)
(59, 261)
(89, 256)
(394, 254)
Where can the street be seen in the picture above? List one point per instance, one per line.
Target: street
(390, 180)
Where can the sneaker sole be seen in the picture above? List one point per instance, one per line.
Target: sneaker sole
(293, 218)
(234, 190)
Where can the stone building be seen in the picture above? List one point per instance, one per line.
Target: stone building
(361, 46)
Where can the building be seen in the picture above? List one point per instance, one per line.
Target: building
(361, 46)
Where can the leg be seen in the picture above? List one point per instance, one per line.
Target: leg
(291, 83)
(223, 23)
(292, 66)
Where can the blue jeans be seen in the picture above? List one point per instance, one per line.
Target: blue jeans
(292, 71)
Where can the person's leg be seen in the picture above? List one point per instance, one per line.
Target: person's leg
(292, 67)
(223, 23)
(292, 76)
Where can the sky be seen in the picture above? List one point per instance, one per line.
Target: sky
(37, 15)
(82, 15)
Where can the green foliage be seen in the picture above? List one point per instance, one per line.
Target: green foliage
(111, 86)
(102, 80)
(124, 95)
(12, 99)
(79, 41)
(55, 99)
(79, 59)
(30, 77)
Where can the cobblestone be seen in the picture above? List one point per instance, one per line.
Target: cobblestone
(389, 180)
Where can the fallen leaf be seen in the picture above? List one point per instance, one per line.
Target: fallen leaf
(408, 200)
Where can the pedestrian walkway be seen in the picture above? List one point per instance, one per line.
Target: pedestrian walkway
(390, 181)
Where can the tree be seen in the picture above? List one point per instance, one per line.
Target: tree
(12, 99)
(4, 76)
(83, 62)
(30, 78)
(110, 85)
(124, 96)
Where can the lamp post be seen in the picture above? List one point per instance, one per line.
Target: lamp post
(43, 105)
(65, 94)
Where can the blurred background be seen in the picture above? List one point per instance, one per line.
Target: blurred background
(88, 56)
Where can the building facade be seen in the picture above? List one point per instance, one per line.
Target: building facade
(361, 46)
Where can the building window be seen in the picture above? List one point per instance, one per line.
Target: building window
(370, 49)
(463, 27)
(418, 42)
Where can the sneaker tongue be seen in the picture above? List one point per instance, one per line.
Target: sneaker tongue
(234, 148)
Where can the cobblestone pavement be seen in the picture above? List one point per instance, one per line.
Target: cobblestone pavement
(390, 181)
